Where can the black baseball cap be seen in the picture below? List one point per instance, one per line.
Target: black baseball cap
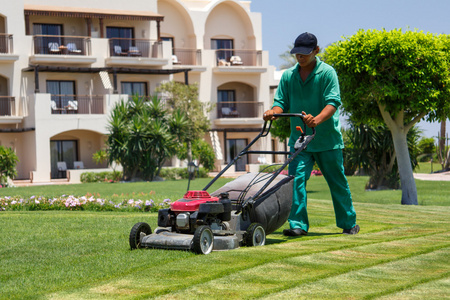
(304, 44)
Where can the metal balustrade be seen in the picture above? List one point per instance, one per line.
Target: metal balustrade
(135, 48)
(187, 57)
(239, 109)
(6, 43)
(77, 104)
(7, 106)
(234, 57)
(61, 45)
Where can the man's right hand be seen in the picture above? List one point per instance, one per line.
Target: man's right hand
(268, 115)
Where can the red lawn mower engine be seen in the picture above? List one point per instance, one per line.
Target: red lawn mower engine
(196, 208)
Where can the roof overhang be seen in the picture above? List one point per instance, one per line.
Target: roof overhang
(61, 69)
(77, 12)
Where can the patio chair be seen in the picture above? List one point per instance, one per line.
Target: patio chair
(62, 169)
(175, 60)
(236, 60)
(118, 51)
(134, 51)
(53, 48)
(72, 48)
(78, 165)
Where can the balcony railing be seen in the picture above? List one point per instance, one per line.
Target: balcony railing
(135, 48)
(77, 104)
(6, 43)
(187, 57)
(233, 57)
(239, 109)
(7, 106)
(61, 45)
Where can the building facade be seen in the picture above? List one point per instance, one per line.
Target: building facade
(65, 64)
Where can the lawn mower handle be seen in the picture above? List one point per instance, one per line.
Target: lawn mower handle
(264, 132)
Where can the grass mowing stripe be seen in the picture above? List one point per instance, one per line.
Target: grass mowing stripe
(200, 269)
(280, 275)
(432, 289)
(370, 282)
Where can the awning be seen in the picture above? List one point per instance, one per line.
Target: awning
(84, 12)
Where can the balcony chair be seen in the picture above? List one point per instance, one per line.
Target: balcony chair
(62, 169)
(72, 105)
(53, 48)
(134, 51)
(222, 62)
(236, 61)
(175, 60)
(78, 165)
(72, 48)
(118, 51)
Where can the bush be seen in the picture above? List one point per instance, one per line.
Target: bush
(8, 162)
(181, 173)
(113, 176)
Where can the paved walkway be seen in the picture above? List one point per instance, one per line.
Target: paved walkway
(444, 176)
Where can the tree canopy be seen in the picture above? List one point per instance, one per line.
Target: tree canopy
(396, 78)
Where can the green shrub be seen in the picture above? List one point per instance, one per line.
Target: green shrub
(181, 173)
(8, 162)
(106, 176)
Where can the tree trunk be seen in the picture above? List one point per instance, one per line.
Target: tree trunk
(399, 132)
(441, 137)
(408, 184)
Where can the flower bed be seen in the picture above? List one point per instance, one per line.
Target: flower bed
(70, 202)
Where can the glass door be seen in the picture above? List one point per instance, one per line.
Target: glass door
(234, 147)
(62, 151)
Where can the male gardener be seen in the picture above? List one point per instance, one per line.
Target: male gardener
(311, 87)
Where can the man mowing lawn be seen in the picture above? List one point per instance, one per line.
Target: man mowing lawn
(312, 86)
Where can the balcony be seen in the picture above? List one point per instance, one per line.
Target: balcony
(7, 106)
(238, 58)
(191, 57)
(61, 45)
(6, 43)
(239, 109)
(62, 49)
(124, 51)
(77, 104)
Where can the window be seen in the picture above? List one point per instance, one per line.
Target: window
(226, 96)
(121, 36)
(234, 147)
(133, 88)
(47, 42)
(172, 44)
(220, 44)
(61, 150)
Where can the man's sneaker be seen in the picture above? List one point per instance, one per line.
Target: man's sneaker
(354, 230)
(294, 232)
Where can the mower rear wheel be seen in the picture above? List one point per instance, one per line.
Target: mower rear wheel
(138, 230)
(255, 235)
(203, 241)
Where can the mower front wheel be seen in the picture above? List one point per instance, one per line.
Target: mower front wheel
(255, 235)
(138, 231)
(203, 241)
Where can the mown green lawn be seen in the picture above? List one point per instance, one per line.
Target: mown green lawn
(402, 252)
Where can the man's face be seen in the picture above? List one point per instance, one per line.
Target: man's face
(306, 60)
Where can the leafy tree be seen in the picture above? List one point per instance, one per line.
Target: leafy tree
(142, 135)
(426, 149)
(201, 151)
(289, 59)
(397, 78)
(184, 99)
(8, 162)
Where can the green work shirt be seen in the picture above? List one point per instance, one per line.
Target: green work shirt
(320, 89)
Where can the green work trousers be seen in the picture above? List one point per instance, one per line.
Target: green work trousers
(331, 165)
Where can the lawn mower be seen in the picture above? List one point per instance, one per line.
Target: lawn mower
(240, 213)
